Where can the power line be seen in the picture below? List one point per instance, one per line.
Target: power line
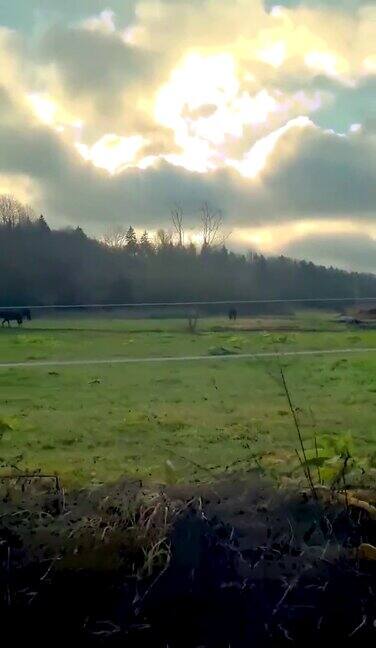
(239, 302)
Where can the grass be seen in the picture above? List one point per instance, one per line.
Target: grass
(182, 421)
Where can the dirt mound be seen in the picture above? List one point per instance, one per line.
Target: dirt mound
(233, 564)
(369, 314)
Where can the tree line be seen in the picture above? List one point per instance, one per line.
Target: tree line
(40, 265)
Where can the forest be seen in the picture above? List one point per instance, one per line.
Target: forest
(44, 266)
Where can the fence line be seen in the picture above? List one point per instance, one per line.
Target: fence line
(239, 302)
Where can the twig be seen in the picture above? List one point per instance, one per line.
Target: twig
(302, 464)
(342, 475)
(9, 596)
(360, 626)
(285, 594)
(292, 538)
(347, 457)
(141, 600)
(323, 554)
(317, 457)
(300, 461)
(60, 494)
(285, 633)
(190, 461)
(296, 422)
(49, 568)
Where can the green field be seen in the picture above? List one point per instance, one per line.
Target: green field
(97, 423)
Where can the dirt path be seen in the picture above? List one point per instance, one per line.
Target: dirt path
(241, 356)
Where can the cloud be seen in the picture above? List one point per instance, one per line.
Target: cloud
(32, 15)
(335, 41)
(345, 251)
(310, 173)
(346, 5)
(106, 63)
(348, 104)
(108, 75)
(75, 51)
(75, 192)
(100, 78)
(190, 101)
(320, 173)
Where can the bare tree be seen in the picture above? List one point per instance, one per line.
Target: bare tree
(27, 214)
(213, 234)
(193, 317)
(115, 237)
(13, 213)
(8, 211)
(177, 218)
(163, 238)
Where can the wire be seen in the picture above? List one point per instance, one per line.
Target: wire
(239, 302)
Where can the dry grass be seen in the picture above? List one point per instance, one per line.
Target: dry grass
(236, 556)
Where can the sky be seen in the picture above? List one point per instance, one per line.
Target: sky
(112, 111)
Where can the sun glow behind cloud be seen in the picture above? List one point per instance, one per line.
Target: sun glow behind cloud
(197, 103)
(206, 107)
(204, 104)
(256, 159)
(45, 109)
(274, 238)
(369, 64)
(112, 152)
(327, 63)
(274, 54)
(48, 111)
(246, 104)
(212, 100)
(20, 185)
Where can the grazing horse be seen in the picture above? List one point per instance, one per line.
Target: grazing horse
(233, 314)
(15, 315)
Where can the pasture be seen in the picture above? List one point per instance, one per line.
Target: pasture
(185, 420)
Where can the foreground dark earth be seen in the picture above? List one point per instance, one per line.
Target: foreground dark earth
(231, 565)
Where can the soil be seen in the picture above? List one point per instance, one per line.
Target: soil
(249, 566)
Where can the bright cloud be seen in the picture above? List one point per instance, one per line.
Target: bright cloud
(274, 54)
(256, 159)
(204, 104)
(104, 22)
(327, 63)
(274, 239)
(49, 112)
(112, 152)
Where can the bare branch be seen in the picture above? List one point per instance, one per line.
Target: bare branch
(177, 218)
(163, 238)
(13, 213)
(212, 227)
(115, 237)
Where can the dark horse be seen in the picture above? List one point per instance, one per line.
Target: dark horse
(233, 314)
(15, 316)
